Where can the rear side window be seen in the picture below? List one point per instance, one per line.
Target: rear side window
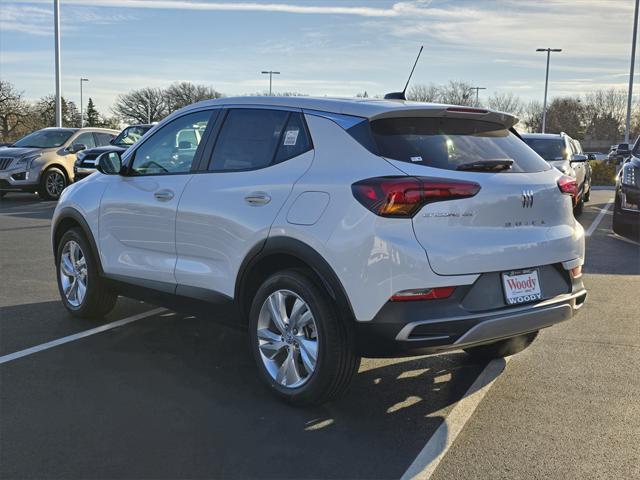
(448, 143)
(248, 139)
(104, 138)
(549, 148)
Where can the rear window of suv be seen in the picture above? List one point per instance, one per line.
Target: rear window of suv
(448, 143)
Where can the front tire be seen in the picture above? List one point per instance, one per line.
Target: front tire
(502, 348)
(82, 290)
(303, 350)
(52, 183)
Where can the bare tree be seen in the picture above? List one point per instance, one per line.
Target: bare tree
(566, 114)
(457, 92)
(506, 102)
(181, 94)
(531, 115)
(424, 93)
(14, 111)
(140, 106)
(45, 113)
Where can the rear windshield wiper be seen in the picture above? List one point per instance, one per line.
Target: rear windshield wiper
(487, 165)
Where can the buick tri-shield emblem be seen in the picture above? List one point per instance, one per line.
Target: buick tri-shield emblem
(527, 198)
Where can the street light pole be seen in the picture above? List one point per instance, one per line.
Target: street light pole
(627, 129)
(477, 89)
(546, 83)
(81, 116)
(271, 74)
(56, 28)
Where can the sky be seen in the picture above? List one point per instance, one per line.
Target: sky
(321, 47)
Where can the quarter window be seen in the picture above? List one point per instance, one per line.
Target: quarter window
(248, 139)
(295, 140)
(172, 148)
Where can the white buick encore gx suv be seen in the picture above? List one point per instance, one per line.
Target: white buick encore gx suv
(336, 229)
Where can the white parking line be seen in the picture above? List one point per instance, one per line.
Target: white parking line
(435, 449)
(78, 336)
(596, 222)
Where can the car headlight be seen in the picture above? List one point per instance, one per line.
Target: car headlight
(629, 176)
(27, 162)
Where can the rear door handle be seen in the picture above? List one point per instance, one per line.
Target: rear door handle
(163, 195)
(257, 199)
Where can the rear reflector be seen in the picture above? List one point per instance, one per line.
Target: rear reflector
(404, 196)
(423, 294)
(576, 272)
(568, 185)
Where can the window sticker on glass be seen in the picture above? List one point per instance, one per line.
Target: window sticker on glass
(416, 159)
(291, 137)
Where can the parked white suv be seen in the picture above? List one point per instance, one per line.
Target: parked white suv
(338, 228)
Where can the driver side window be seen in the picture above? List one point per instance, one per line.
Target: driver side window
(172, 148)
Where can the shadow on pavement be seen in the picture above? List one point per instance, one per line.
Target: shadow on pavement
(178, 397)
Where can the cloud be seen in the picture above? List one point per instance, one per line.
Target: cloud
(39, 21)
(406, 8)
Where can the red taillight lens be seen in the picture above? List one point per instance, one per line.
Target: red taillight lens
(423, 294)
(568, 185)
(404, 196)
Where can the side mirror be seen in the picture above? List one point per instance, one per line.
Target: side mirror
(76, 147)
(591, 156)
(109, 163)
(579, 158)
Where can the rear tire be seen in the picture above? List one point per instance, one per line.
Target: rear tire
(503, 348)
(52, 183)
(290, 320)
(578, 209)
(77, 271)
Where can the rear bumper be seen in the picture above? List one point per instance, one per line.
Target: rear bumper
(399, 331)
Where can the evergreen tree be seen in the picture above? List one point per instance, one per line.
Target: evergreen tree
(92, 115)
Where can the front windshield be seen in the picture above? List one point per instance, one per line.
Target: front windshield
(548, 148)
(130, 135)
(44, 139)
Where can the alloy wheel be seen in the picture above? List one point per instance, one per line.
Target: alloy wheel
(73, 273)
(55, 184)
(287, 338)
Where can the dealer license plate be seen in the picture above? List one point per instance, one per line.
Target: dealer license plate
(522, 286)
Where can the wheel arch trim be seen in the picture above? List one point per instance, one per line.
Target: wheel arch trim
(304, 253)
(70, 213)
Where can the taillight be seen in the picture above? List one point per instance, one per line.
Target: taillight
(568, 185)
(404, 196)
(423, 294)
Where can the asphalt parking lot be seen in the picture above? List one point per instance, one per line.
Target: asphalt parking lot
(169, 396)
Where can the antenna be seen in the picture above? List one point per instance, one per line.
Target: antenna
(401, 95)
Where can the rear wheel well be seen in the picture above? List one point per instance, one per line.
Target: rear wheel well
(266, 266)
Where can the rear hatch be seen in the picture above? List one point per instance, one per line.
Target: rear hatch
(519, 218)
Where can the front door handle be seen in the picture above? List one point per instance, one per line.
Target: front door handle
(256, 199)
(163, 195)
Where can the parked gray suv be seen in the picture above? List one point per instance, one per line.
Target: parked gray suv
(43, 160)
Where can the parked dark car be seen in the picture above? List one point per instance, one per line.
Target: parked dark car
(86, 161)
(564, 153)
(619, 152)
(626, 211)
